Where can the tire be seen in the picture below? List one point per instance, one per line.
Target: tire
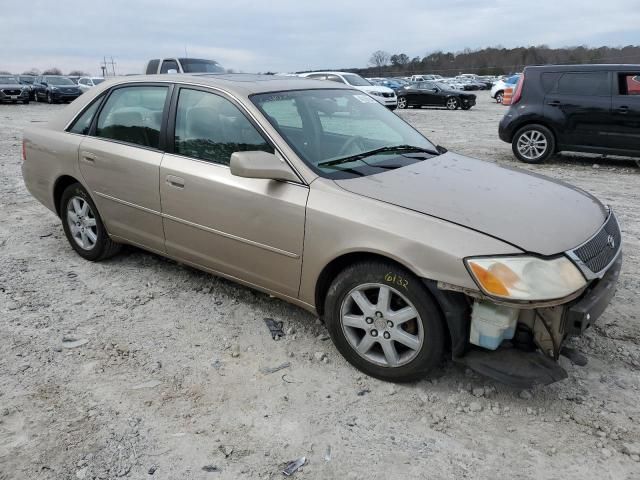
(103, 247)
(349, 325)
(533, 143)
(25, 102)
(402, 102)
(49, 98)
(35, 97)
(499, 96)
(452, 103)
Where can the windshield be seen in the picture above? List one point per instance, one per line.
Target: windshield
(28, 80)
(194, 65)
(356, 80)
(335, 126)
(8, 80)
(96, 81)
(58, 81)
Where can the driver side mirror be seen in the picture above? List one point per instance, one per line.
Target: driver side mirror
(259, 164)
(172, 71)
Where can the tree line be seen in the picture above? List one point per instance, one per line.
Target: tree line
(492, 60)
(49, 71)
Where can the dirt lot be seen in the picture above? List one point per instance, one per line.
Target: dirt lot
(165, 371)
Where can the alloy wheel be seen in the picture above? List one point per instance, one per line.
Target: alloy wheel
(82, 223)
(49, 99)
(381, 325)
(452, 103)
(402, 102)
(532, 144)
(499, 97)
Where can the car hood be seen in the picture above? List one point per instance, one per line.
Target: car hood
(11, 85)
(532, 212)
(374, 88)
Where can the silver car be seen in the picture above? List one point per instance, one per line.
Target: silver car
(317, 194)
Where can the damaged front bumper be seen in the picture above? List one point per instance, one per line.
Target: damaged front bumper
(529, 357)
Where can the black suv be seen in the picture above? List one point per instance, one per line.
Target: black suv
(580, 108)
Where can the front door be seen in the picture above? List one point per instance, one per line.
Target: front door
(579, 104)
(625, 113)
(249, 229)
(120, 162)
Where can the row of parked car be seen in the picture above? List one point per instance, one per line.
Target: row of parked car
(44, 88)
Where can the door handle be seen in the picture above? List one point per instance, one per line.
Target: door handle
(554, 103)
(176, 182)
(623, 109)
(88, 157)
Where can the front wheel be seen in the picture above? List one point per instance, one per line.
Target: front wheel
(384, 322)
(499, 96)
(452, 103)
(83, 225)
(402, 102)
(49, 98)
(533, 144)
(466, 107)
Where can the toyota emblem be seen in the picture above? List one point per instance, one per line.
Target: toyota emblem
(611, 241)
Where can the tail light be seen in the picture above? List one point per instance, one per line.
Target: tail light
(24, 150)
(518, 93)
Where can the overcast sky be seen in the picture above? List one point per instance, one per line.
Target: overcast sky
(289, 35)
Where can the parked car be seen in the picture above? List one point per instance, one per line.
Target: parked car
(74, 78)
(424, 78)
(54, 89)
(497, 91)
(406, 251)
(384, 95)
(580, 108)
(27, 80)
(85, 83)
(434, 94)
(182, 65)
(391, 83)
(11, 91)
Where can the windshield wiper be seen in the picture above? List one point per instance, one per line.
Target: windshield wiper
(359, 156)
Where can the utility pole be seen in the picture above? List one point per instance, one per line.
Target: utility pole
(108, 67)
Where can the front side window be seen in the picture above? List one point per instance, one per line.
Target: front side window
(133, 115)
(169, 65)
(629, 83)
(583, 83)
(335, 78)
(209, 127)
(342, 133)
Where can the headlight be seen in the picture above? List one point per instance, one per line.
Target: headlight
(526, 278)
(53, 89)
(377, 94)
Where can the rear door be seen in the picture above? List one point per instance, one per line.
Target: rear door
(120, 162)
(579, 103)
(625, 117)
(249, 229)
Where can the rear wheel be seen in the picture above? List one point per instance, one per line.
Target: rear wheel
(452, 103)
(384, 322)
(499, 96)
(533, 144)
(402, 102)
(83, 225)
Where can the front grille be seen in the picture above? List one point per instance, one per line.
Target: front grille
(388, 95)
(598, 252)
(10, 91)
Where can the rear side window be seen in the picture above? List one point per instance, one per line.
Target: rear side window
(629, 83)
(210, 127)
(335, 78)
(133, 115)
(583, 83)
(83, 122)
(169, 65)
(153, 67)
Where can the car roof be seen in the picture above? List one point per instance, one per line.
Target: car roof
(335, 72)
(243, 84)
(583, 67)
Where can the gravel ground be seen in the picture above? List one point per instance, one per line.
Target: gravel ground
(139, 367)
